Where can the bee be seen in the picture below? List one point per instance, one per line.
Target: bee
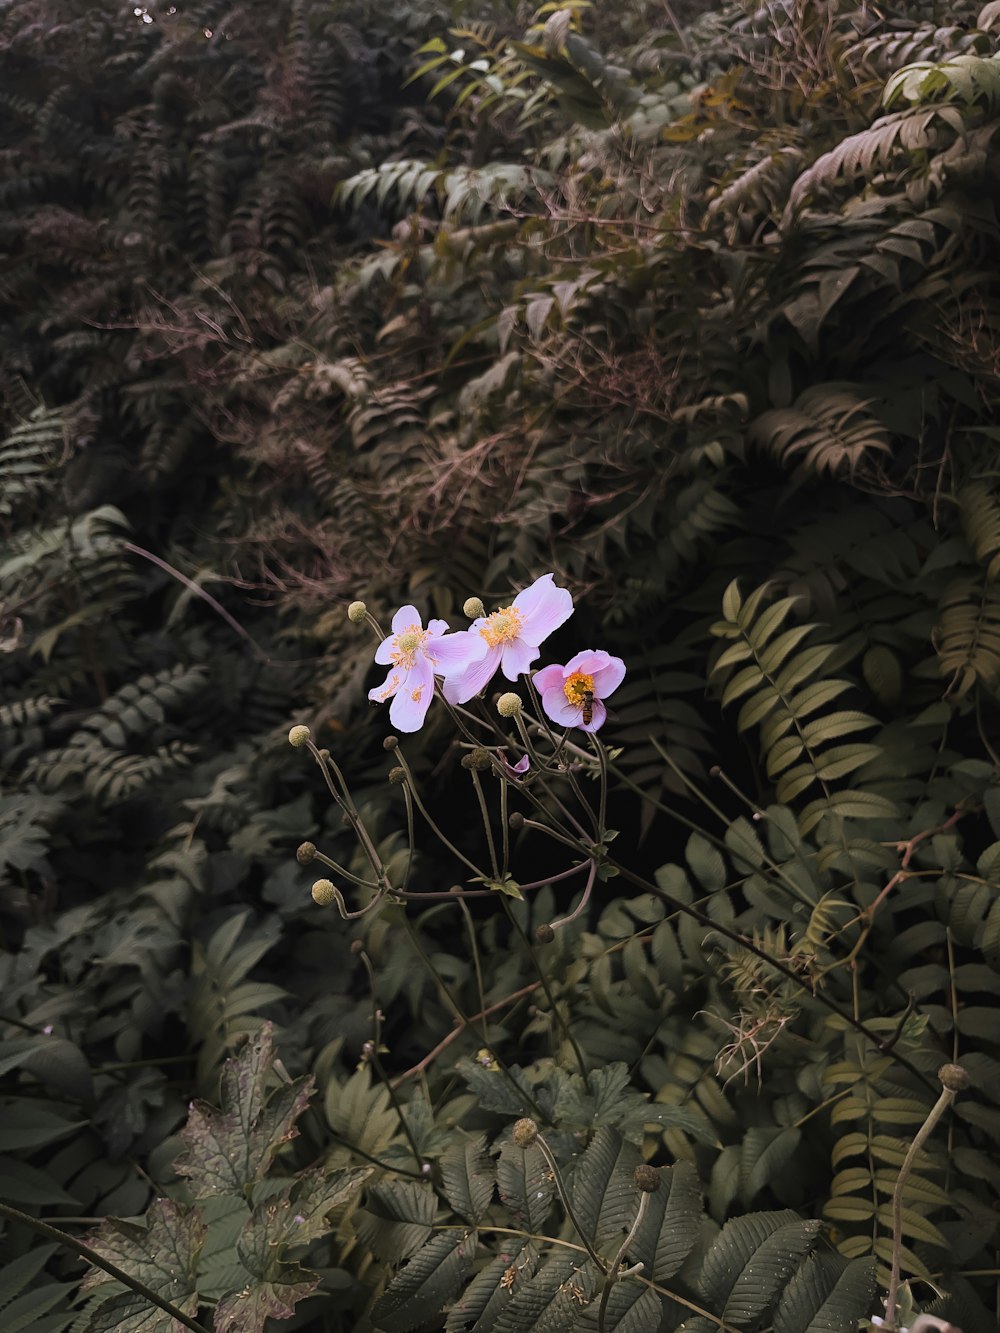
(588, 707)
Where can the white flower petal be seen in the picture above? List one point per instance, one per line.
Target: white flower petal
(544, 607)
(404, 618)
(411, 702)
(451, 654)
(395, 679)
(460, 689)
(516, 658)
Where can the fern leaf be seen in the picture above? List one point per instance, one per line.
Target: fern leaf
(829, 429)
(967, 637)
(980, 510)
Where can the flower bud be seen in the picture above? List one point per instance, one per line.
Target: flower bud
(479, 759)
(954, 1077)
(397, 774)
(356, 612)
(305, 853)
(525, 1132)
(544, 933)
(357, 946)
(509, 704)
(323, 892)
(473, 608)
(390, 742)
(298, 736)
(647, 1178)
(515, 820)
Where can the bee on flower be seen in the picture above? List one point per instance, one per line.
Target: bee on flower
(415, 656)
(573, 695)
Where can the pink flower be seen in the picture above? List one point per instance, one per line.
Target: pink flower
(512, 771)
(415, 656)
(511, 636)
(572, 694)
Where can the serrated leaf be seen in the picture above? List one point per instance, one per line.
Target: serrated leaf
(672, 1225)
(427, 1283)
(296, 1215)
(468, 1176)
(248, 1310)
(827, 1295)
(230, 1148)
(605, 1197)
(525, 1184)
(732, 1281)
(493, 1288)
(396, 1219)
(163, 1255)
(494, 1090)
(551, 1300)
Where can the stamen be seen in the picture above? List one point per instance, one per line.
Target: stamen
(502, 626)
(577, 686)
(406, 645)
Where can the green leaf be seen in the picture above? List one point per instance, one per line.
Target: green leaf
(296, 1215)
(22, 1183)
(672, 1226)
(248, 1310)
(525, 1184)
(427, 1283)
(231, 1148)
(163, 1254)
(495, 1090)
(827, 1295)
(605, 1197)
(468, 1177)
(751, 1260)
(493, 1288)
(396, 1219)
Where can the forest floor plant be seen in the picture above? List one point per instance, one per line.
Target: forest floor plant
(547, 1203)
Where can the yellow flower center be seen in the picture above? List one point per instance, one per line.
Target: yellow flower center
(576, 686)
(502, 626)
(406, 645)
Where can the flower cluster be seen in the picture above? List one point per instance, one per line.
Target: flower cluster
(507, 640)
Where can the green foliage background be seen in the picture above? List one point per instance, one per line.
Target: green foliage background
(695, 306)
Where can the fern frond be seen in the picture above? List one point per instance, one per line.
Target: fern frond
(967, 637)
(968, 79)
(828, 430)
(884, 145)
(786, 694)
(979, 507)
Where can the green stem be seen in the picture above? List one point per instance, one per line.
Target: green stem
(487, 826)
(456, 1009)
(92, 1257)
(470, 927)
(919, 1139)
(438, 833)
(553, 1166)
(544, 983)
(617, 1261)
